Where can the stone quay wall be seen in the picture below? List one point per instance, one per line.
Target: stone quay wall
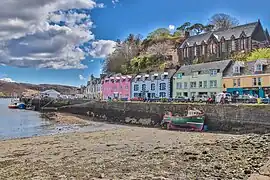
(226, 118)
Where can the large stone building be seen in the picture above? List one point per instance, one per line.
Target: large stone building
(199, 79)
(251, 78)
(222, 44)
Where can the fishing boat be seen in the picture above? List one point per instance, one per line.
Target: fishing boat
(194, 121)
(16, 104)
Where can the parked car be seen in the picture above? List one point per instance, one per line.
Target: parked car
(227, 97)
(181, 99)
(201, 98)
(246, 99)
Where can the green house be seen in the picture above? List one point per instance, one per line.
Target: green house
(199, 79)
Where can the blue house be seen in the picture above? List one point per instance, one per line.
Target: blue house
(152, 85)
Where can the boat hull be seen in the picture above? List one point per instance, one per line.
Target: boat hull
(193, 123)
(13, 107)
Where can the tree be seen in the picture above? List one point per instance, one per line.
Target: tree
(124, 52)
(223, 21)
(208, 28)
(240, 56)
(263, 53)
(197, 28)
(184, 27)
(159, 33)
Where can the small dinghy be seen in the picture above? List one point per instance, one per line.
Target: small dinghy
(16, 104)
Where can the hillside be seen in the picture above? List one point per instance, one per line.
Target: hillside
(10, 88)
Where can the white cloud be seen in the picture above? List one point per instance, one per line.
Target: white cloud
(115, 1)
(7, 80)
(101, 48)
(30, 36)
(81, 77)
(171, 27)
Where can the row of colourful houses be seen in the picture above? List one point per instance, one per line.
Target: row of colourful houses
(206, 78)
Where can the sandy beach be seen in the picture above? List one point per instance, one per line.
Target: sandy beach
(135, 153)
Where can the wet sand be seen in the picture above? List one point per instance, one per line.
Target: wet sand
(135, 153)
(66, 119)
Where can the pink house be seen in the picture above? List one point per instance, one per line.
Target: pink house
(116, 86)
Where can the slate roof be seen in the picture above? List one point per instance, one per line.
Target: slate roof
(248, 68)
(171, 72)
(248, 29)
(189, 69)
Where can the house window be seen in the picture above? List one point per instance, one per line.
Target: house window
(162, 94)
(195, 74)
(205, 84)
(242, 44)
(234, 82)
(179, 76)
(192, 84)
(185, 85)
(153, 87)
(178, 94)
(195, 50)
(258, 67)
(259, 81)
(238, 82)
(233, 45)
(162, 86)
(203, 49)
(213, 72)
(179, 85)
(136, 87)
(236, 69)
(200, 84)
(254, 81)
(144, 87)
(223, 47)
(213, 84)
(153, 95)
(186, 52)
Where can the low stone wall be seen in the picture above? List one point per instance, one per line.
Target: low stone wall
(228, 118)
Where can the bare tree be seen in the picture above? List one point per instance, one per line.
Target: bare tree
(223, 21)
(124, 52)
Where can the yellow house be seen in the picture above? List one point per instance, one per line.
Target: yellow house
(248, 78)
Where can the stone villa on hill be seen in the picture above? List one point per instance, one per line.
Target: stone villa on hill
(221, 44)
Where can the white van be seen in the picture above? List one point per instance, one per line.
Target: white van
(224, 95)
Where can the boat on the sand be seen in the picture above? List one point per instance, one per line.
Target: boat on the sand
(16, 104)
(193, 121)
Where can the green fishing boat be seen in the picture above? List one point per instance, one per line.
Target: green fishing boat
(194, 120)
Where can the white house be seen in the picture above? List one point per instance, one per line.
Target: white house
(93, 88)
(50, 93)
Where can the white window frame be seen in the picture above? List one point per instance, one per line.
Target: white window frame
(236, 69)
(213, 72)
(179, 85)
(258, 69)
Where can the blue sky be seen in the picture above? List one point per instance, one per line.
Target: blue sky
(140, 16)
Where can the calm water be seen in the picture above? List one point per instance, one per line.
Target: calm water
(20, 123)
(15, 123)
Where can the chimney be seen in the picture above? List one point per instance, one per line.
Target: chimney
(187, 34)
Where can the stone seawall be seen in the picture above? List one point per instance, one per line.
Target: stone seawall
(228, 118)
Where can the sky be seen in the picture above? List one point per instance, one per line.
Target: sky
(65, 41)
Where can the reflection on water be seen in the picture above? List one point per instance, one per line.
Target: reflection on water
(15, 123)
(19, 123)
